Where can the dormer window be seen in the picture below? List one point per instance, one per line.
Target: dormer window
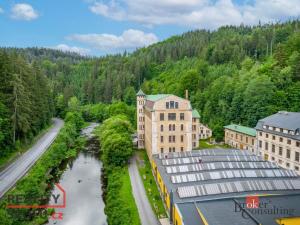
(167, 105)
(172, 104)
(265, 127)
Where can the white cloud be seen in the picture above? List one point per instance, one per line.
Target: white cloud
(130, 39)
(197, 13)
(1, 10)
(67, 48)
(23, 11)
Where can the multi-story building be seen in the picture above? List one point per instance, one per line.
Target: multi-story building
(166, 123)
(278, 138)
(205, 132)
(240, 137)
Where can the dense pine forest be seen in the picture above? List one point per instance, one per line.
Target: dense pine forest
(234, 74)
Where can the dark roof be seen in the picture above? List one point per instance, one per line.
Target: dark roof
(285, 120)
(198, 181)
(140, 93)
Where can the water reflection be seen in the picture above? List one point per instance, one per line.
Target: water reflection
(82, 183)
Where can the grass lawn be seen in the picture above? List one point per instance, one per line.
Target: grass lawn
(204, 144)
(126, 196)
(10, 157)
(150, 185)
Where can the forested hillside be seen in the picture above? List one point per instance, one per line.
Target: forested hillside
(26, 101)
(234, 74)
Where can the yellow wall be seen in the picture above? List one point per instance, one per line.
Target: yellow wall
(177, 219)
(289, 221)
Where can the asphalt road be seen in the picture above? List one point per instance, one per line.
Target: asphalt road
(146, 213)
(12, 173)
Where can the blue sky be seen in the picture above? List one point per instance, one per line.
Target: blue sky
(98, 27)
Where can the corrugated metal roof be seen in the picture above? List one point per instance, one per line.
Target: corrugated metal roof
(241, 129)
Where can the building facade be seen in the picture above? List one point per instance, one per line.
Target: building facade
(195, 128)
(278, 138)
(240, 137)
(205, 132)
(165, 123)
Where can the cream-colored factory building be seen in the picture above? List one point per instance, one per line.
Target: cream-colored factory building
(278, 138)
(240, 137)
(166, 123)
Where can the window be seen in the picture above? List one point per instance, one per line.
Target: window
(287, 165)
(170, 127)
(167, 105)
(176, 105)
(181, 137)
(162, 116)
(174, 139)
(181, 127)
(297, 156)
(194, 127)
(181, 149)
(297, 168)
(194, 144)
(161, 128)
(280, 150)
(161, 150)
(173, 127)
(280, 161)
(260, 133)
(266, 146)
(246, 139)
(252, 141)
(173, 149)
(241, 137)
(260, 144)
(181, 116)
(281, 130)
(281, 139)
(298, 144)
(288, 153)
(162, 139)
(171, 104)
(289, 141)
(170, 149)
(236, 136)
(273, 159)
(273, 148)
(171, 116)
(273, 137)
(170, 139)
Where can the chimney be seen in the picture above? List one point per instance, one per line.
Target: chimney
(186, 94)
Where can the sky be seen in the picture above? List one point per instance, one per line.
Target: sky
(99, 27)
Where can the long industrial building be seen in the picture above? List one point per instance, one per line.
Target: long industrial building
(216, 187)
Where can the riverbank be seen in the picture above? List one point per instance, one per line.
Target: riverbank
(36, 182)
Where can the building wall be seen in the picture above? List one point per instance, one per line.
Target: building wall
(204, 132)
(276, 148)
(240, 140)
(140, 120)
(195, 132)
(165, 135)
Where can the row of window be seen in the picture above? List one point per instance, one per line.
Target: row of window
(141, 119)
(171, 149)
(280, 151)
(281, 130)
(172, 138)
(172, 105)
(288, 141)
(171, 116)
(287, 164)
(141, 102)
(172, 127)
(241, 137)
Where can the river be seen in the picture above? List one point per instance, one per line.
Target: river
(82, 183)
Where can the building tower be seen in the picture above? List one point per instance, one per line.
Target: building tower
(140, 102)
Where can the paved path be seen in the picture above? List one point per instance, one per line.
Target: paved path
(146, 213)
(12, 173)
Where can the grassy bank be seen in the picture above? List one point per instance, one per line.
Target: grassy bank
(36, 183)
(116, 149)
(150, 185)
(120, 206)
(204, 144)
